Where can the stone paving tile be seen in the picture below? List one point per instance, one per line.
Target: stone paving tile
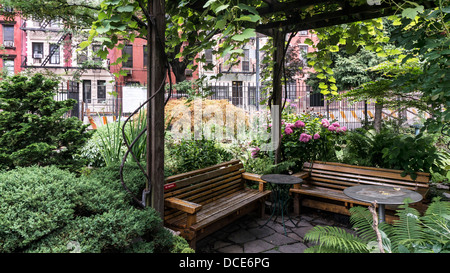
(292, 248)
(279, 239)
(241, 236)
(257, 246)
(247, 236)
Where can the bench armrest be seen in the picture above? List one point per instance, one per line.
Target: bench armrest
(255, 178)
(303, 175)
(185, 206)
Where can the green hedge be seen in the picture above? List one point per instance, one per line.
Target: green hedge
(46, 209)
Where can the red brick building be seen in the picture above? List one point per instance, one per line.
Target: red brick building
(12, 44)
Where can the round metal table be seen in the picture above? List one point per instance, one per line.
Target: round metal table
(383, 195)
(280, 185)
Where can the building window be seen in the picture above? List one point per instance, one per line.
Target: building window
(101, 91)
(208, 56)
(82, 56)
(145, 55)
(246, 60)
(8, 67)
(95, 57)
(128, 50)
(303, 49)
(55, 58)
(236, 93)
(8, 36)
(38, 50)
(303, 32)
(316, 99)
(86, 91)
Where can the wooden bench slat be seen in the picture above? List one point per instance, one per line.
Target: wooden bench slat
(178, 177)
(345, 182)
(202, 201)
(189, 190)
(251, 197)
(206, 176)
(364, 179)
(221, 188)
(327, 180)
(207, 208)
(370, 171)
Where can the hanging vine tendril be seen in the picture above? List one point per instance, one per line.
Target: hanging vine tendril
(130, 146)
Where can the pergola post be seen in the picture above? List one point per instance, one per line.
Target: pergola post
(278, 58)
(155, 114)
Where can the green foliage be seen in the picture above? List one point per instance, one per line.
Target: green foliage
(429, 233)
(391, 150)
(192, 154)
(427, 37)
(46, 209)
(334, 240)
(364, 147)
(33, 129)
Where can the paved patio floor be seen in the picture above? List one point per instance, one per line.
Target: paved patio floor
(247, 236)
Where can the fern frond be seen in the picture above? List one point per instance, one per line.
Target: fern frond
(408, 228)
(437, 221)
(438, 207)
(362, 221)
(333, 239)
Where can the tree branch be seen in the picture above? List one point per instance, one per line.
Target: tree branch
(372, 210)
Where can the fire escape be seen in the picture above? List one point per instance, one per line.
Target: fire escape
(54, 49)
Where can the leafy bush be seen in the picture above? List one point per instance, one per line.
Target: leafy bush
(33, 129)
(364, 147)
(193, 154)
(391, 150)
(46, 209)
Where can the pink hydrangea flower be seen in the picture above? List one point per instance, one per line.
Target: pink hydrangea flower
(342, 129)
(299, 124)
(305, 137)
(336, 124)
(288, 130)
(316, 136)
(255, 152)
(331, 128)
(325, 123)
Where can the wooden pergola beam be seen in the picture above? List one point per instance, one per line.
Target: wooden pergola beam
(345, 15)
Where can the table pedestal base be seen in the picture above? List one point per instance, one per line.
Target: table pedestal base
(280, 202)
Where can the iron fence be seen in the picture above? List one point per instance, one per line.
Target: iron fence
(299, 97)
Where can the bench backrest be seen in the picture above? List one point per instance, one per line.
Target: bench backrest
(339, 176)
(205, 185)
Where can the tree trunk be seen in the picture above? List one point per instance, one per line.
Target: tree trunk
(155, 132)
(178, 69)
(378, 116)
(278, 42)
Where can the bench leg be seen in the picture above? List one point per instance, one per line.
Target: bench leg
(192, 244)
(262, 208)
(297, 204)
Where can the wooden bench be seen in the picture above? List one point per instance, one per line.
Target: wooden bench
(324, 183)
(200, 202)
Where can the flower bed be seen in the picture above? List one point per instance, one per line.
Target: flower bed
(304, 138)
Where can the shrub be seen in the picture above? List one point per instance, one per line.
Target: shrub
(388, 149)
(193, 154)
(33, 129)
(46, 209)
